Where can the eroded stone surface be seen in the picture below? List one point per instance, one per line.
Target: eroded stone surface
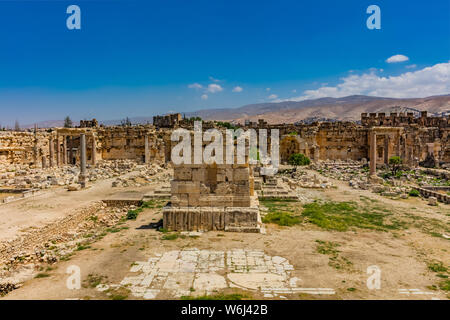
(197, 272)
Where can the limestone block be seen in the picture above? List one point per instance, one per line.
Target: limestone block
(185, 186)
(184, 174)
(215, 201)
(223, 201)
(204, 189)
(241, 174)
(74, 187)
(224, 188)
(242, 189)
(241, 201)
(194, 200)
(432, 201)
(206, 200)
(179, 200)
(199, 174)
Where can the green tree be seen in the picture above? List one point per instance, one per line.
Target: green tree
(299, 159)
(395, 163)
(68, 122)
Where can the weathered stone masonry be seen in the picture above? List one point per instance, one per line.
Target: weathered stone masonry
(416, 140)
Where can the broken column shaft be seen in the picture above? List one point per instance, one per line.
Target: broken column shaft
(147, 152)
(94, 150)
(82, 177)
(50, 151)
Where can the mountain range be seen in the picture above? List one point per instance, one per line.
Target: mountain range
(344, 109)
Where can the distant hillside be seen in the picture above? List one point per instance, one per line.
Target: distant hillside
(346, 108)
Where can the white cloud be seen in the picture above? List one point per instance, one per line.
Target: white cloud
(272, 96)
(195, 86)
(397, 58)
(434, 80)
(267, 89)
(204, 97)
(411, 66)
(213, 79)
(294, 91)
(237, 89)
(213, 88)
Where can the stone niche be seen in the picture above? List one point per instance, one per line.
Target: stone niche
(212, 197)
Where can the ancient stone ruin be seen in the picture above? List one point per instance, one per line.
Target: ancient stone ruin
(213, 197)
(36, 159)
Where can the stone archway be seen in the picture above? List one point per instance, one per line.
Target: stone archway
(291, 144)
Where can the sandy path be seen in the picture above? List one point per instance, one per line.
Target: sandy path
(54, 204)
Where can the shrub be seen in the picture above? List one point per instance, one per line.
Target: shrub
(132, 214)
(299, 159)
(395, 162)
(414, 193)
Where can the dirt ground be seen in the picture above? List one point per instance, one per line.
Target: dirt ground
(402, 256)
(49, 206)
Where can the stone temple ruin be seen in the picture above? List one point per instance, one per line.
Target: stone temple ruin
(213, 197)
(222, 197)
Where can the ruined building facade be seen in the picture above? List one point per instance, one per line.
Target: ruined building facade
(417, 140)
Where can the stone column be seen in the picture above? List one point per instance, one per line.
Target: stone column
(386, 150)
(316, 152)
(50, 151)
(147, 151)
(64, 147)
(373, 153)
(430, 149)
(58, 152)
(70, 149)
(94, 151)
(35, 147)
(82, 177)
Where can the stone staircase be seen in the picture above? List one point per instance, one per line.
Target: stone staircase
(159, 194)
(273, 188)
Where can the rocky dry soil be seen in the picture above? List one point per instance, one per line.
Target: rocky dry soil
(330, 244)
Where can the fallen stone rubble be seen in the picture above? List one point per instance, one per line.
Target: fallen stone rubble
(356, 173)
(23, 177)
(146, 174)
(58, 239)
(297, 177)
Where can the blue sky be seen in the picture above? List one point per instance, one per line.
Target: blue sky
(140, 58)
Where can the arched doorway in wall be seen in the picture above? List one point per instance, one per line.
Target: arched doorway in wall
(291, 144)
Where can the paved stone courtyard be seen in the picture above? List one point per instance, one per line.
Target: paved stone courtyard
(198, 272)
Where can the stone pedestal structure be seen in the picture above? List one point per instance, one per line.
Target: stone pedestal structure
(213, 197)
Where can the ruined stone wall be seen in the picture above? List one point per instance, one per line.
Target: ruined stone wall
(403, 120)
(167, 121)
(129, 143)
(334, 141)
(413, 142)
(23, 147)
(349, 141)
